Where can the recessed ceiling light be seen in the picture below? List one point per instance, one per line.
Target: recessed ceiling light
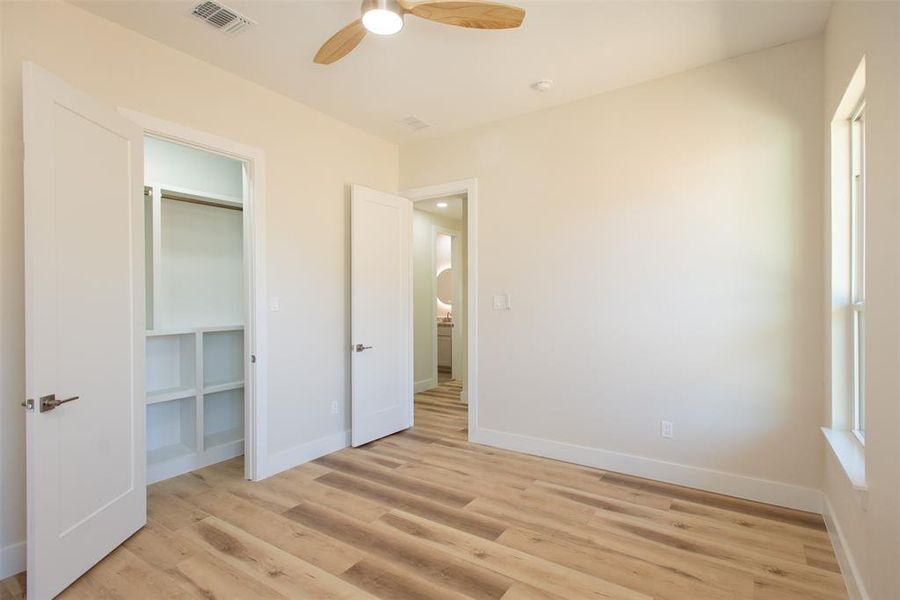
(441, 205)
(383, 17)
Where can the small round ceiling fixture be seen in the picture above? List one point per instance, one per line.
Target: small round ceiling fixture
(441, 205)
(383, 17)
(543, 85)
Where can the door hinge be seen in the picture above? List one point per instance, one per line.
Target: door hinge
(252, 359)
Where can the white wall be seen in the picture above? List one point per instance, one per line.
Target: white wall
(871, 538)
(662, 245)
(310, 160)
(192, 170)
(423, 299)
(201, 267)
(201, 270)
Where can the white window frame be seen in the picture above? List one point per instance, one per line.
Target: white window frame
(845, 296)
(857, 267)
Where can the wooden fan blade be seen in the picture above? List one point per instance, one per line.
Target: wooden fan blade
(478, 15)
(341, 43)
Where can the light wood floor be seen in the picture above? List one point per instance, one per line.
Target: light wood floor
(426, 515)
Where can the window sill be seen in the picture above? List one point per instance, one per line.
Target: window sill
(852, 458)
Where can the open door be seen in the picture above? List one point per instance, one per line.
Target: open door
(84, 299)
(381, 315)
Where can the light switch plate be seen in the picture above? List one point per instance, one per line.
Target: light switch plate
(501, 302)
(274, 303)
(667, 429)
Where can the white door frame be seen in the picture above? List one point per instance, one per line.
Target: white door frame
(255, 374)
(459, 316)
(469, 187)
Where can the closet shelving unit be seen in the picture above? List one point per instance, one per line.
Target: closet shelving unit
(194, 375)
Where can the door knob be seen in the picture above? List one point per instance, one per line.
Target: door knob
(50, 402)
(360, 347)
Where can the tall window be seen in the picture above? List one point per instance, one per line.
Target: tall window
(857, 264)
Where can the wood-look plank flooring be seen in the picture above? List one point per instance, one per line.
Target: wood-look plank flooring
(424, 514)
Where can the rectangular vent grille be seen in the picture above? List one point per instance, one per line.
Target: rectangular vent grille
(221, 17)
(414, 123)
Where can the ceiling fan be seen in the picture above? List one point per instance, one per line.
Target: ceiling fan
(385, 17)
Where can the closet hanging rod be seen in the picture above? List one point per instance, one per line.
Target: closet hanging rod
(194, 199)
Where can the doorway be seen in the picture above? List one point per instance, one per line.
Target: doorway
(195, 307)
(443, 292)
(438, 303)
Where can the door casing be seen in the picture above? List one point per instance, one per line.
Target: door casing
(255, 323)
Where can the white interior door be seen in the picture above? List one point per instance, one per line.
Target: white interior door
(84, 302)
(381, 314)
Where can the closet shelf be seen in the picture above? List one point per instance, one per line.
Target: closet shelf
(222, 328)
(212, 388)
(170, 394)
(159, 333)
(210, 329)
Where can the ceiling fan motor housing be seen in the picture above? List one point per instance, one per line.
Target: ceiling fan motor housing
(383, 17)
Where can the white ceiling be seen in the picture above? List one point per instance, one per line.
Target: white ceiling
(453, 210)
(454, 78)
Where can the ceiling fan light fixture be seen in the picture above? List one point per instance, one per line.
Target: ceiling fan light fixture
(385, 17)
(382, 17)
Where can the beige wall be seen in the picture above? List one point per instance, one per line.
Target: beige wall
(423, 326)
(662, 246)
(310, 160)
(872, 537)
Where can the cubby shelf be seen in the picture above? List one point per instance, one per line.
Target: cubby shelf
(166, 453)
(223, 417)
(222, 387)
(195, 398)
(171, 394)
(171, 432)
(223, 437)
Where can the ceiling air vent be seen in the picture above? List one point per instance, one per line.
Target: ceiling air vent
(221, 17)
(414, 123)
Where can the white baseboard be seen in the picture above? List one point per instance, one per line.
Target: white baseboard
(742, 486)
(12, 559)
(856, 590)
(425, 384)
(287, 459)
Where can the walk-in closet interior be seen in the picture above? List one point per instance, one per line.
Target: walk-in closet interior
(195, 284)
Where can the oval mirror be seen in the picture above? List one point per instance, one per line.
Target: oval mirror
(445, 286)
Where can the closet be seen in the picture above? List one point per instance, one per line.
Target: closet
(195, 284)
